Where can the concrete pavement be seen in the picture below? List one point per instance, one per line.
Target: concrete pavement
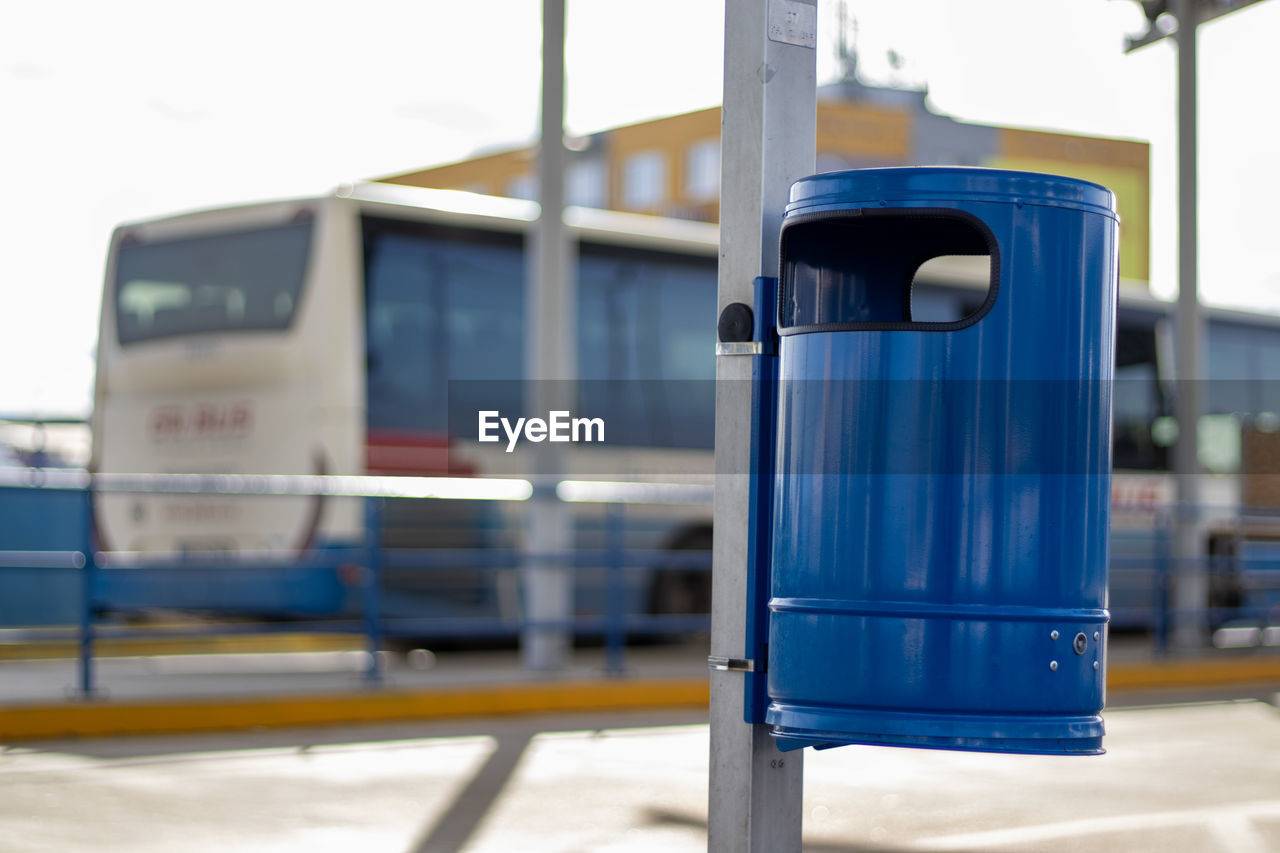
(1197, 777)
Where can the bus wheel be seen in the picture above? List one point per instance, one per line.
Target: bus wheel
(680, 593)
(677, 589)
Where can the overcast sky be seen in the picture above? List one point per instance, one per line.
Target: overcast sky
(137, 108)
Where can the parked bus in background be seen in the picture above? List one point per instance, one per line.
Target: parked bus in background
(360, 332)
(336, 335)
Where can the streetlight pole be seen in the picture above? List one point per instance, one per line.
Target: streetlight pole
(552, 367)
(1190, 593)
(1191, 580)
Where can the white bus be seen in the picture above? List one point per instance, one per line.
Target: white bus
(327, 335)
(331, 335)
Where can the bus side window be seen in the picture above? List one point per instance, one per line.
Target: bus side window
(1243, 365)
(1137, 401)
(444, 324)
(646, 344)
(399, 327)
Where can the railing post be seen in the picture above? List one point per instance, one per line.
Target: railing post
(1163, 587)
(371, 579)
(88, 583)
(615, 589)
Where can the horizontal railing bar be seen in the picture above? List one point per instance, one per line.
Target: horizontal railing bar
(41, 560)
(355, 486)
(651, 559)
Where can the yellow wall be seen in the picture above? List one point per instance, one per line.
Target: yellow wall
(491, 174)
(670, 137)
(1122, 166)
(864, 132)
(859, 132)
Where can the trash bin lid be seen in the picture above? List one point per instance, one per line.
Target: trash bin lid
(930, 185)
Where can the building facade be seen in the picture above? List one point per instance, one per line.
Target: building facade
(671, 166)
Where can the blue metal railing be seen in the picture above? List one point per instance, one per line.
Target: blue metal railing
(1244, 579)
(111, 582)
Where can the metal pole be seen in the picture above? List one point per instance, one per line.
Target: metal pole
(372, 593)
(551, 352)
(767, 142)
(615, 590)
(1191, 582)
(88, 585)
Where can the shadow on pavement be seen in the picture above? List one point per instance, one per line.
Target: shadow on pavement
(459, 821)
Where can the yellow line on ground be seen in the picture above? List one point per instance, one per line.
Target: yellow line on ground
(214, 644)
(111, 718)
(1217, 672)
(141, 717)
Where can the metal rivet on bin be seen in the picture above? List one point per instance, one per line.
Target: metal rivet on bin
(1053, 665)
(1053, 635)
(1096, 636)
(1095, 666)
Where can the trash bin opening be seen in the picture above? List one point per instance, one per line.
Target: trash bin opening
(916, 269)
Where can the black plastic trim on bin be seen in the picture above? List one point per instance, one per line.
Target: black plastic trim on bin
(981, 227)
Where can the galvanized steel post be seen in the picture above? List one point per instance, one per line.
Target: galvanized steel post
(767, 142)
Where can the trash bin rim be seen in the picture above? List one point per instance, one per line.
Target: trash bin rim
(935, 186)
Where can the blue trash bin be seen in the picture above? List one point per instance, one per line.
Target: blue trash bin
(942, 489)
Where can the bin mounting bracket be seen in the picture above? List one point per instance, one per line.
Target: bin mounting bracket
(727, 664)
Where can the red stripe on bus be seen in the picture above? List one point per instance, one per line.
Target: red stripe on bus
(422, 454)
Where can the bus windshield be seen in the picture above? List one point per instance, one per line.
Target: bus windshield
(230, 281)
